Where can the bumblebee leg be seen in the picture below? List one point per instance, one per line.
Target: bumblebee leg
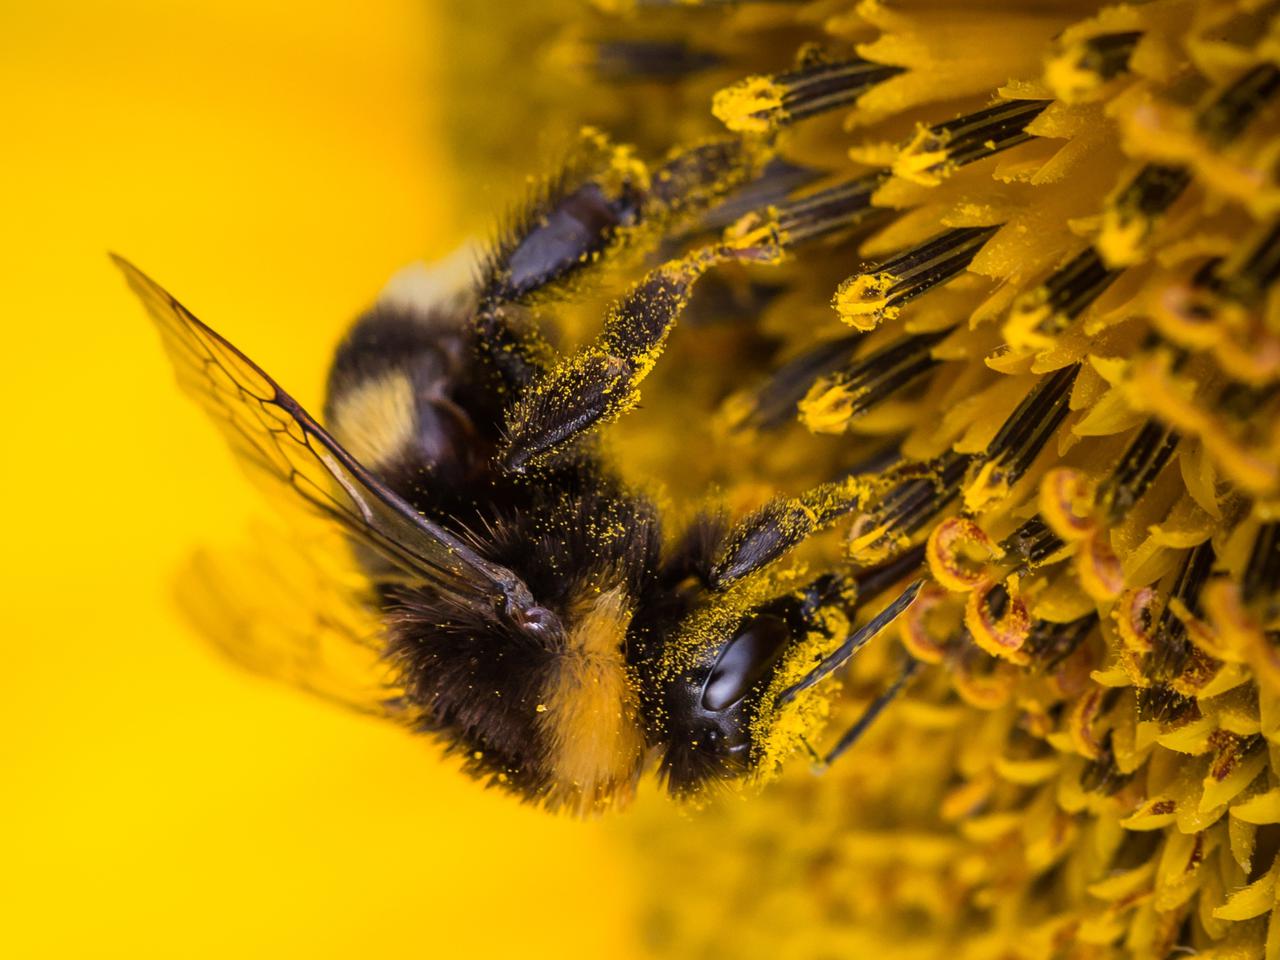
(514, 350)
(602, 202)
(600, 382)
(784, 522)
(691, 183)
(565, 223)
(780, 525)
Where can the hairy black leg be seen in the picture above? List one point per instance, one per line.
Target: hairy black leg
(566, 222)
(602, 202)
(784, 522)
(601, 381)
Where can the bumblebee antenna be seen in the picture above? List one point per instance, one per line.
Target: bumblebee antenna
(869, 715)
(846, 650)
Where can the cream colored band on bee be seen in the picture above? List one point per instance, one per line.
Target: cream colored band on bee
(375, 420)
(591, 717)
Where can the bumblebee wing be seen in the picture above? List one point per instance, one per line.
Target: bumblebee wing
(280, 612)
(272, 432)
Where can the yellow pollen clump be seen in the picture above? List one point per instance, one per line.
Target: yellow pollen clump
(753, 105)
(826, 408)
(863, 301)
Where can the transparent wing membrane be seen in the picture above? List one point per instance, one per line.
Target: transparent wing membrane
(274, 434)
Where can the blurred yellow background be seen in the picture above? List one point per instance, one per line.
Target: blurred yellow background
(272, 164)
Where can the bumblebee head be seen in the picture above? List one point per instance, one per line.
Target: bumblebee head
(711, 708)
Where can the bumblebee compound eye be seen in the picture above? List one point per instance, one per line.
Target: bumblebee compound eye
(745, 660)
(710, 711)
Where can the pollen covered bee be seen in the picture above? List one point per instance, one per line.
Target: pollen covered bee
(517, 600)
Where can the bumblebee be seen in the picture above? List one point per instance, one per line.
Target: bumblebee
(517, 600)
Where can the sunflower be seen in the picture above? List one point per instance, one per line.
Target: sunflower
(1034, 259)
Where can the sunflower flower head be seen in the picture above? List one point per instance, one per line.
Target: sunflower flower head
(1036, 261)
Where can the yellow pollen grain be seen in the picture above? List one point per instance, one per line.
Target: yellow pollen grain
(988, 486)
(1068, 79)
(826, 408)
(752, 106)
(1120, 241)
(863, 301)
(1028, 316)
(922, 160)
